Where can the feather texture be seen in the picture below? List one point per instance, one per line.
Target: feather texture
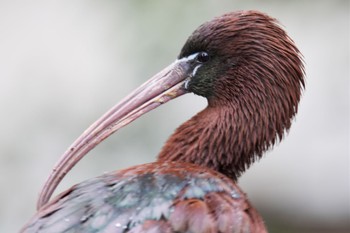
(155, 197)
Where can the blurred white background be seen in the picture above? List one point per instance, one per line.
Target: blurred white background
(64, 63)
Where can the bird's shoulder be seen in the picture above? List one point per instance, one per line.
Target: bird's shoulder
(155, 197)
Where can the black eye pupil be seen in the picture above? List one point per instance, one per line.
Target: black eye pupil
(203, 57)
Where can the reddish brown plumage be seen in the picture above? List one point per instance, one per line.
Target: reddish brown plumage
(252, 76)
(252, 102)
(170, 197)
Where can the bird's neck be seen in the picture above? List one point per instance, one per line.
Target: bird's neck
(222, 138)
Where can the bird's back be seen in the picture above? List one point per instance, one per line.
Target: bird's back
(156, 197)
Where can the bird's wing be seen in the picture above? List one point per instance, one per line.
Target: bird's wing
(157, 197)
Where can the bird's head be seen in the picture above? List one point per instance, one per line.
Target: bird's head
(252, 75)
(244, 54)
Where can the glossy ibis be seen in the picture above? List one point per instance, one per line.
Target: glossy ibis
(252, 75)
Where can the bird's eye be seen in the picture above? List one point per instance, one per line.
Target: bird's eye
(202, 57)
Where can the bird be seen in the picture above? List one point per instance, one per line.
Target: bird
(252, 76)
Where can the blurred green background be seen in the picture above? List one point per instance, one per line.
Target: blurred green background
(64, 63)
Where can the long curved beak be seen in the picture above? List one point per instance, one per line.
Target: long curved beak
(164, 86)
